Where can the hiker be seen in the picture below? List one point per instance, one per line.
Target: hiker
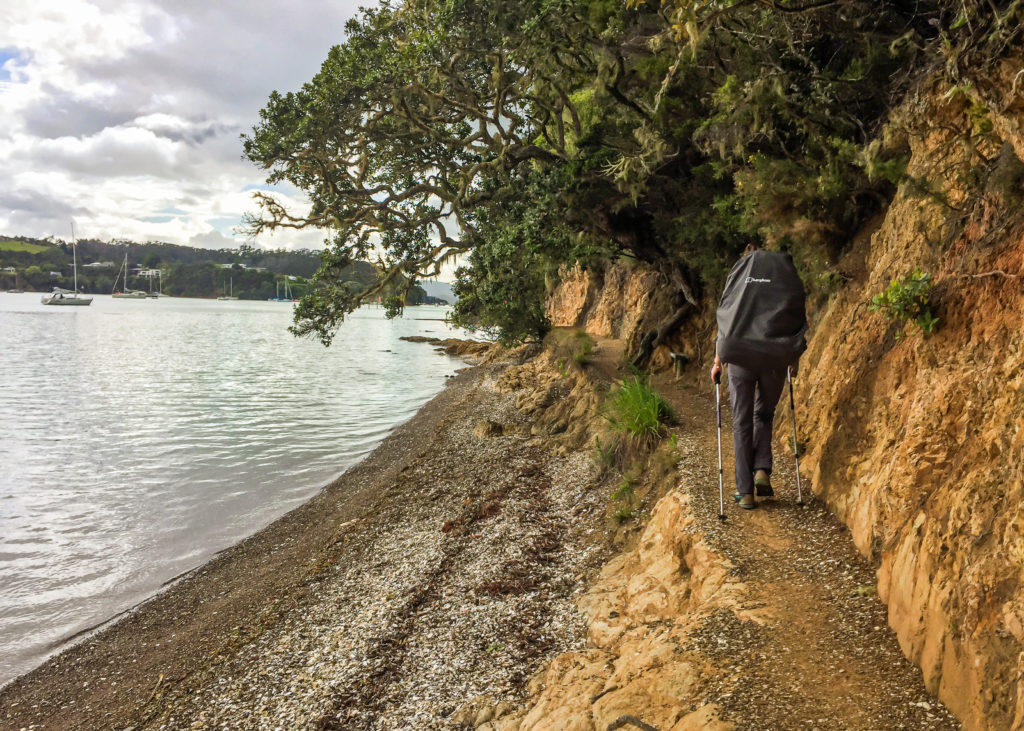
(762, 324)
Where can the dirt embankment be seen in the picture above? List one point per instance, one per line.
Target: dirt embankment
(918, 443)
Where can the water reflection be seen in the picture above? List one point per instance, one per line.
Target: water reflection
(139, 438)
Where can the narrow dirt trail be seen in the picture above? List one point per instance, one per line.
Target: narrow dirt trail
(820, 654)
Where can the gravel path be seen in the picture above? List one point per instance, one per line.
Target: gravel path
(825, 658)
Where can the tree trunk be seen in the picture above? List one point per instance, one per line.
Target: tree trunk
(653, 338)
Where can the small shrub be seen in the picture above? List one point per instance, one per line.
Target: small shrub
(624, 491)
(625, 513)
(830, 282)
(907, 300)
(605, 456)
(584, 349)
(637, 411)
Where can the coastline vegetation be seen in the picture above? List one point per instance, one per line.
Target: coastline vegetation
(185, 271)
(519, 137)
(638, 412)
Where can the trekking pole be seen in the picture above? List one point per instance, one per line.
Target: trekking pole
(796, 448)
(718, 415)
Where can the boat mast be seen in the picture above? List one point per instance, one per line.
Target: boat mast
(74, 256)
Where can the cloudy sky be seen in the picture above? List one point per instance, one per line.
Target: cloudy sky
(124, 116)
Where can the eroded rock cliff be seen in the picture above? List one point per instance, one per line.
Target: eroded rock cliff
(915, 443)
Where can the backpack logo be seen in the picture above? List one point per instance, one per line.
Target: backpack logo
(753, 280)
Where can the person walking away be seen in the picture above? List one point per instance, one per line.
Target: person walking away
(762, 326)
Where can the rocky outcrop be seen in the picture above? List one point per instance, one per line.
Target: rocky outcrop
(626, 301)
(640, 669)
(918, 443)
(615, 303)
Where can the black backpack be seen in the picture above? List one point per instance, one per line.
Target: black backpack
(762, 321)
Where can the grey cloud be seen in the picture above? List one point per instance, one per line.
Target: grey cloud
(62, 115)
(35, 204)
(38, 214)
(105, 157)
(228, 57)
(214, 69)
(212, 240)
(197, 131)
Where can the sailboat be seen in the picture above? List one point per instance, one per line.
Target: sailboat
(231, 296)
(62, 296)
(287, 293)
(125, 293)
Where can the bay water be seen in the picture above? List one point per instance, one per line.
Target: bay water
(138, 438)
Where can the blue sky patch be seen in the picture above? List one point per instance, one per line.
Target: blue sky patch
(224, 223)
(6, 54)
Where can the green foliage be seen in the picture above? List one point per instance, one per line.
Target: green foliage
(625, 513)
(907, 300)
(637, 411)
(605, 455)
(526, 134)
(584, 348)
(624, 490)
(186, 271)
(517, 248)
(502, 294)
(625, 493)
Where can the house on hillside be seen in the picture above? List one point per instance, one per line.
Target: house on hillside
(9, 270)
(243, 266)
(55, 274)
(99, 265)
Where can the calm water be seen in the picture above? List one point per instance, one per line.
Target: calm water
(138, 438)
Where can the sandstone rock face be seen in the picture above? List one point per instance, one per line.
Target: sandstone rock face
(918, 444)
(613, 304)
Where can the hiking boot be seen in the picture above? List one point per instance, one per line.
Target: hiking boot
(762, 484)
(746, 502)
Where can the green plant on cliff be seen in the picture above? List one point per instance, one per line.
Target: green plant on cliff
(907, 300)
(638, 412)
(605, 455)
(625, 494)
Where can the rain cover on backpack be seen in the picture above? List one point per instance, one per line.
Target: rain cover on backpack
(761, 318)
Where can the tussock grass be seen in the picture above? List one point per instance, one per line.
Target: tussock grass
(638, 412)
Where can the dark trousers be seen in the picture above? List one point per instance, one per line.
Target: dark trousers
(754, 395)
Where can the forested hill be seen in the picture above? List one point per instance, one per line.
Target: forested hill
(186, 271)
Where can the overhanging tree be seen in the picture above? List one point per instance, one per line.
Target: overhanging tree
(671, 132)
